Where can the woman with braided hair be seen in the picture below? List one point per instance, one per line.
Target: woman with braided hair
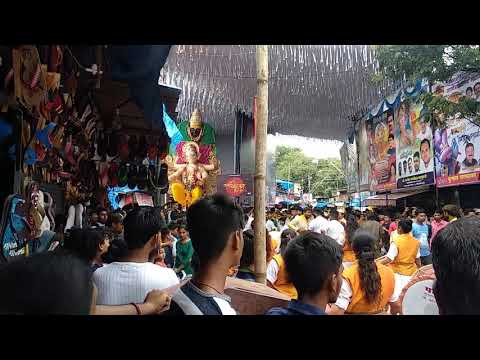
(368, 286)
(348, 253)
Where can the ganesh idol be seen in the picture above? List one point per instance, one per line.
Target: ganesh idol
(189, 179)
(192, 161)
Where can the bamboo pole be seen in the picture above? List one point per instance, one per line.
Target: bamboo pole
(261, 163)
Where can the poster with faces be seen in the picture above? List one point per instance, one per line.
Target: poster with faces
(457, 140)
(413, 138)
(382, 152)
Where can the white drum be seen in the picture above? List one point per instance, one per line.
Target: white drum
(419, 299)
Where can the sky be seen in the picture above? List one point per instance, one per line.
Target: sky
(316, 148)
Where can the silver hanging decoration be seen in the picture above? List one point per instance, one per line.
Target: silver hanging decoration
(313, 88)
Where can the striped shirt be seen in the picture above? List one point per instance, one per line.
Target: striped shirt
(122, 283)
(190, 300)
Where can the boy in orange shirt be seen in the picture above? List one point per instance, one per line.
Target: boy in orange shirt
(403, 255)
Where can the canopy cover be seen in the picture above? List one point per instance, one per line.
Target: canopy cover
(312, 88)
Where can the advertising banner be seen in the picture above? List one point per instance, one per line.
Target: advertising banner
(381, 152)
(363, 147)
(413, 138)
(457, 140)
(348, 155)
(457, 150)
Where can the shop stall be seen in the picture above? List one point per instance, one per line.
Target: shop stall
(78, 130)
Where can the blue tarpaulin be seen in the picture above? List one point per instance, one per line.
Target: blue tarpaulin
(139, 66)
(113, 193)
(286, 185)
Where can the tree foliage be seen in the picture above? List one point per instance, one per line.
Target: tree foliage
(437, 63)
(326, 175)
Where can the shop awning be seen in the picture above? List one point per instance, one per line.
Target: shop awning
(381, 199)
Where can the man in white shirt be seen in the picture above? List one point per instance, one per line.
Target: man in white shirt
(130, 280)
(426, 165)
(425, 130)
(248, 225)
(335, 228)
(319, 224)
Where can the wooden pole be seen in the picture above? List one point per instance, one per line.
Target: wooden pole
(261, 163)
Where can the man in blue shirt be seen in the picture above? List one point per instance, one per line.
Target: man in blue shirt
(420, 232)
(314, 264)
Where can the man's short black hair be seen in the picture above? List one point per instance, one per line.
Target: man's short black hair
(425, 141)
(210, 222)
(296, 207)
(85, 242)
(416, 155)
(469, 88)
(140, 225)
(116, 218)
(405, 225)
(101, 209)
(333, 214)
(46, 284)
(129, 207)
(247, 258)
(390, 136)
(452, 210)
(371, 216)
(421, 210)
(456, 261)
(173, 225)
(310, 260)
(469, 145)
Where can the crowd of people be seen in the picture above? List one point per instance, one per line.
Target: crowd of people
(148, 260)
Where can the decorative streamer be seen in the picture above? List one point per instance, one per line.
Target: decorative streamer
(312, 88)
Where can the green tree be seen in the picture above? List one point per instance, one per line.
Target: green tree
(325, 175)
(408, 63)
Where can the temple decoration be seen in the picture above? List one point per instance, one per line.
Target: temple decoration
(192, 162)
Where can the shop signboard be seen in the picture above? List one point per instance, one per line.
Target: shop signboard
(457, 140)
(413, 137)
(235, 186)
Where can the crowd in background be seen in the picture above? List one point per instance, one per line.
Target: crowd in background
(326, 260)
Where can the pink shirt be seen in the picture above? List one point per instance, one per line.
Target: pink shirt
(392, 227)
(436, 227)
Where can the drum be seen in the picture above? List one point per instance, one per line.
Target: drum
(417, 297)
